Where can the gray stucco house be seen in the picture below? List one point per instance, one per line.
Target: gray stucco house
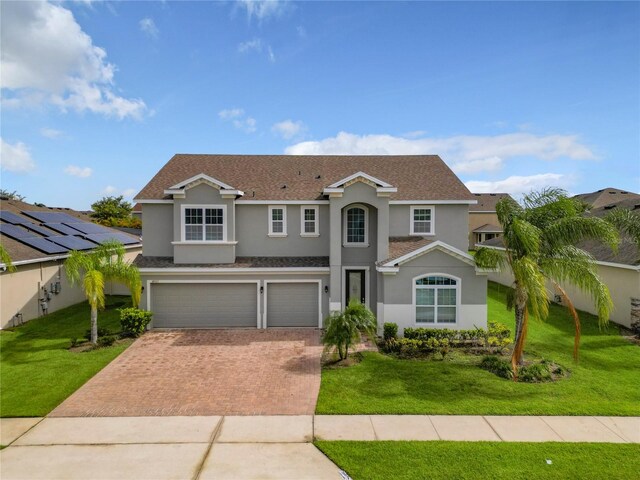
(274, 241)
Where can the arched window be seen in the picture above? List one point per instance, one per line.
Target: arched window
(436, 299)
(355, 226)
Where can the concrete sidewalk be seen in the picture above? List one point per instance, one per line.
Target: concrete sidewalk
(244, 447)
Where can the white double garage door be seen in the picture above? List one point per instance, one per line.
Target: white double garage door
(249, 303)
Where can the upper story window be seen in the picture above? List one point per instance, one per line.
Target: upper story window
(356, 226)
(204, 223)
(422, 220)
(436, 299)
(309, 221)
(278, 221)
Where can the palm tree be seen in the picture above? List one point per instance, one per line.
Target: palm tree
(105, 262)
(6, 259)
(540, 239)
(345, 328)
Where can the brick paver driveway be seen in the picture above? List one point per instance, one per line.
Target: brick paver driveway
(206, 372)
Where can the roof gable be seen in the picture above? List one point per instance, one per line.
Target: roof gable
(179, 189)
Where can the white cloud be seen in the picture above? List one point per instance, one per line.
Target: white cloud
(115, 191)
(109, 190)
(250, 45)
(47, 58)
(263, 9)
(414, 134)
(15, 158)
(272, 57)
(238, 119)
(518, 185)
(148, 27)
(74, 170)
(288, 128)
(129, 192)
(465, 153)
(51, 133)
(230, 113)
(247, 124)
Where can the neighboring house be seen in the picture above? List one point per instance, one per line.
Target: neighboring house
(280, 241)
(38, 240)
(620, 271)
(136, 211)
(483, 220)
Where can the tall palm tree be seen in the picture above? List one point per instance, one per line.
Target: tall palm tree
(105, 262)
(540, 238)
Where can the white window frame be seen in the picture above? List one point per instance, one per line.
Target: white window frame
(432, 230)
(345, 243)
(284, 220)
(316, 232)
(183, 225)
(415, 288)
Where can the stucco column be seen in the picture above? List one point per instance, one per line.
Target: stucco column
(383, 231)
(335, 256)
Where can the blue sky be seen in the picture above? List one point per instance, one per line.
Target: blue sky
(97, 96)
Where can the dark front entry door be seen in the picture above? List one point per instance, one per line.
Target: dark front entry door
(355, 285)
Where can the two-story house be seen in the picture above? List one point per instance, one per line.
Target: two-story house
(281, 241)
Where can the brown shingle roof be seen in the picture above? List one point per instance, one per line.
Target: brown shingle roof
(241, 262)
(292, 177)
(488, 228)
(400, 246)
(607, 196)
(486, 201)
(19, 251)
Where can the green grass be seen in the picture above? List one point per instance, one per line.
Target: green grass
(604, 382)
(484, 460)
(37, 372)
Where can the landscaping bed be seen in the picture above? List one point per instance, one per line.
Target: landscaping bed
(38, 367)
(604, 381)
(483, 460)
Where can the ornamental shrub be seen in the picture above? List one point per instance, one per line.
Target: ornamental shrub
(102, 332)
(106, 341)
(134, 321)
(390, 330)
(500, 367)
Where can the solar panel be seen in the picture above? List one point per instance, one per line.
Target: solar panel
(36, 228)
(86, 227)
(52, 217)
(11, 217)
(72, 243)
(44, 245)
(105, 237)
(62, 228)
(16, 232)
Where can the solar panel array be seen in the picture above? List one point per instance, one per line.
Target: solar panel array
(63, 233)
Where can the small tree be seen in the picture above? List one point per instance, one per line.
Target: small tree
(106, 262)
(6, 259)
(344, 329)
(109, 208)
(11, 195)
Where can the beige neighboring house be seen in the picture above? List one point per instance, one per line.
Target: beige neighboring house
(38, 240)
(483, 220)
(619, 271)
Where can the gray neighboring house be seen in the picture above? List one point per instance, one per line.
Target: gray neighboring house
(281, 241)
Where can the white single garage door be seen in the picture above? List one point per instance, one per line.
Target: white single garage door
(204, 305)
(292, 305)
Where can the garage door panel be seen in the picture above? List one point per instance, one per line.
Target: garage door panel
(204, 305)
(292, 305)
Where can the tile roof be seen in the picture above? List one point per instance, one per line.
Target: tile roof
(488, 228)
(241, 262)
(19, 251)
(400, 246)
(486, 201)
(292, 177)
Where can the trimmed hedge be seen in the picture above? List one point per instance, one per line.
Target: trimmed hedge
(134, 321)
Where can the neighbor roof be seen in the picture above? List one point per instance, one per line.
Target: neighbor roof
(19, 251)
(488, 228)
(292, 177)
(486, 201)
(607, 196)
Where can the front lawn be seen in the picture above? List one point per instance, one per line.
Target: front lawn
(483, 460)
(604, 382)
(37, 371)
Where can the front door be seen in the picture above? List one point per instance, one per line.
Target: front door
(355, 285)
